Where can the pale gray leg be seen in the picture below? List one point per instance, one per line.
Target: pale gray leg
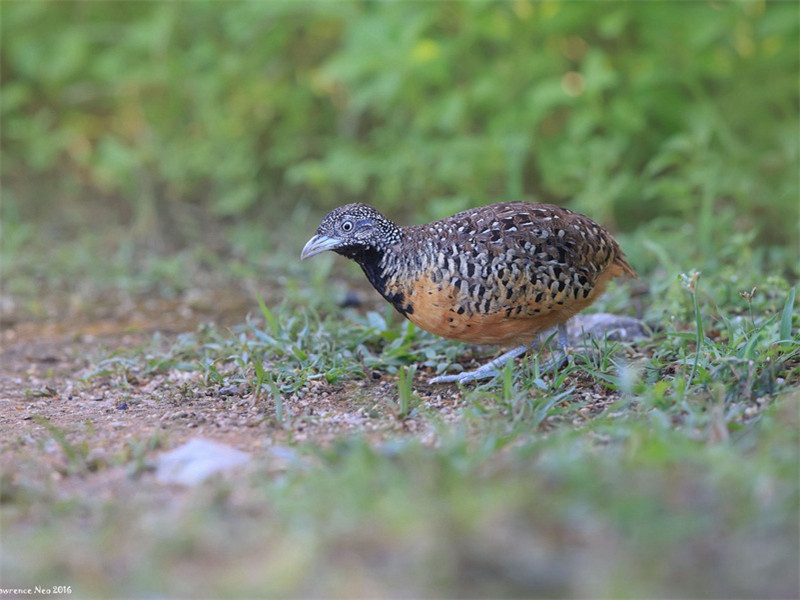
(562, 356)
(492, 368)
(486, 371)
(563, 339)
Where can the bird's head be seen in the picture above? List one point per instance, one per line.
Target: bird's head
(351, 230)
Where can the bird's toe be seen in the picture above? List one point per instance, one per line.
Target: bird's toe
(466, 376)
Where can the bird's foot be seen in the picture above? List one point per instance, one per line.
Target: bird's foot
(556, 362)
(466, 376)
(492, 368)
(486, 371)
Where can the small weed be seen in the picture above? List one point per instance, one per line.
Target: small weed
(42, 392)
(282, 413)
(407, 399)
(691, 281)
(138, 454)
(785, 331)
(75, 454)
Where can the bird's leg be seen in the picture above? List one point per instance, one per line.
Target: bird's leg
(563, 338)
(492, 368)
(486, 371)
(563, 355)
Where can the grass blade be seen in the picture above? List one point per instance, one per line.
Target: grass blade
(268, 316)
(407, 401)
(786, 316)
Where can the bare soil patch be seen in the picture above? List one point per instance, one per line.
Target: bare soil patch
(58, 419)
(46, 384)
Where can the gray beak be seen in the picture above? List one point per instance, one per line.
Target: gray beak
(319, 243)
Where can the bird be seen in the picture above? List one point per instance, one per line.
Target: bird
(500, 274)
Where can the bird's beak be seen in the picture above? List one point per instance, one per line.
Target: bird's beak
(319, 243)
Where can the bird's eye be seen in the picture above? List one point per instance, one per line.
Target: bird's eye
(347, 226)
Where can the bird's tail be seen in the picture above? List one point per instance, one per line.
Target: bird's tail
(622, 268)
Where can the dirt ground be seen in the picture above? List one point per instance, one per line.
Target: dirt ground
(54, 403)
(47, 375)
(69, 432)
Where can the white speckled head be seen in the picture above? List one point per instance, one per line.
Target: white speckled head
(352, 227)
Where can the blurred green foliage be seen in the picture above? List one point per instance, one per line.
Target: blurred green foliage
(624, 110)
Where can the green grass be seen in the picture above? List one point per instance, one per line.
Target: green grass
(623, 506)
(742, 352)
(663, 468)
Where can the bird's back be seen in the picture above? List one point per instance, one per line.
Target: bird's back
(501, 273)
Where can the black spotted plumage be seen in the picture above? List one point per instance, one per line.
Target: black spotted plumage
(495, 274)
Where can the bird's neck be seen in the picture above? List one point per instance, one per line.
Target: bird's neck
(378, 265)
(370, 259)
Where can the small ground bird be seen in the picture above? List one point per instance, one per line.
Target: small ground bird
(498, 274)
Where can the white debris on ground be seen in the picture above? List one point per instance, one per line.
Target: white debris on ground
(197, 460)
(605, 325)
